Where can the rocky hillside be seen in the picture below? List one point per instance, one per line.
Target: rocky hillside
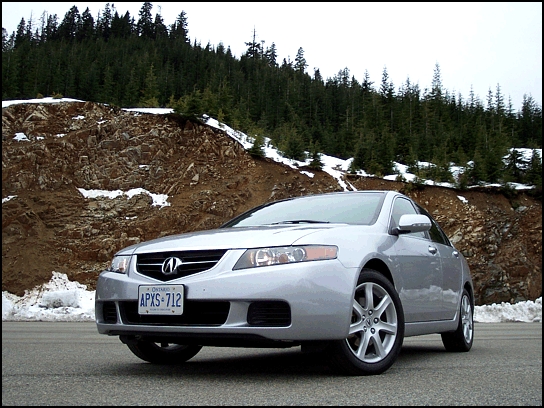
(48, 225)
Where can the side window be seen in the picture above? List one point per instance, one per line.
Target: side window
(402, 206)
(436, 233)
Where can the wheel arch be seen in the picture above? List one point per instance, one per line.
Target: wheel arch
(380, 266)
(470, 290)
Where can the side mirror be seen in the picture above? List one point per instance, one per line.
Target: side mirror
(412, 223)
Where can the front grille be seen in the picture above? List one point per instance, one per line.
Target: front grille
(269, 313)
(195, 313)
(191, 262)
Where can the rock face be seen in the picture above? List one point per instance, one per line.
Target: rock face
(209, 178)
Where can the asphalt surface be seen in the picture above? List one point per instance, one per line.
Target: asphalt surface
(71, 364)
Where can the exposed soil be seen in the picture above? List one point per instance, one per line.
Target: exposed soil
(209, 178)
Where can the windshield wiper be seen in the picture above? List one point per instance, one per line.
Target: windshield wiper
(300, 222)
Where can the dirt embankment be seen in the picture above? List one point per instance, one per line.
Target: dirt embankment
(209, 178)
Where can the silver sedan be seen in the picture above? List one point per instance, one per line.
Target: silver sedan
(346, 275)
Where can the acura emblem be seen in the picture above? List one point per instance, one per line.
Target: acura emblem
(170, 265)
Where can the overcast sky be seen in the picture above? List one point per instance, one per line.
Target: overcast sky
(475, 44)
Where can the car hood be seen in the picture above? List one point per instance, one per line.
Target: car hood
(229, 238)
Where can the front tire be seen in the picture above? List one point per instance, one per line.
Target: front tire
(376, 331)
(163, 353)
(462, 338)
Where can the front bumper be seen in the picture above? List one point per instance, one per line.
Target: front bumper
(316, 295)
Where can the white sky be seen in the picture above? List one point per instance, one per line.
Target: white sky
(475, 44)
(64, 300)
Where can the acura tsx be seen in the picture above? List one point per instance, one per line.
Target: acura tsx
(347, 275)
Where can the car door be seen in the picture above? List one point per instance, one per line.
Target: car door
(420, 277)
(451, 269)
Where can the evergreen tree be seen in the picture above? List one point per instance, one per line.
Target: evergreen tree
(178, 30)
(190, 106)
(254, 50)
(103, 25)
(131, 98)
(300, 61)
(150, 97)
(51, 30)
(121, 27)
(86, 27)
(145, 23)
(477, 169)
(316, 163)
(494, 164)
(270, 55)
(257, 149)
(290, 142)
(436, 87)
(534, 170)
(107, 93)
(367, 83)
(530, 118)
(21, 33)
(160, 30)
(68, 28)
(514, 166)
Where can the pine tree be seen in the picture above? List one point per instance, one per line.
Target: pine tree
(51, 29)
(513, 166)
(145, 22)
(257, 149)
(121, 27)
(130, 97)
(530, 122)
(315, 154)
(436, 88)
(21, 33)
(300, 61)
(68, 28)
(477, 170)
(107, 93)
(86, 27)
(151, 90)
(159, 29)
(270, 55)
(103, 25)
(254, 49)
(494, 164)
(178, 30)
(534, 170)
(290, 142)
(190, 107)
(367, 83)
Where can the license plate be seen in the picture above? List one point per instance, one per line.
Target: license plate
(160, 299)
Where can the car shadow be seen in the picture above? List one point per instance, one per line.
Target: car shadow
(277, 362)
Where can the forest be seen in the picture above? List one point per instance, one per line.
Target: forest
(138, 61)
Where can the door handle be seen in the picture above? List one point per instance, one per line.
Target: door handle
(456, 254)
(433, 250)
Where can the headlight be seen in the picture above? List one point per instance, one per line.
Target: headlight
(120, 264)
(253, 258)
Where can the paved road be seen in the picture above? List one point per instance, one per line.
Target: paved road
(71, 364)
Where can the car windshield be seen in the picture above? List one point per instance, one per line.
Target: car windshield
(346, 208)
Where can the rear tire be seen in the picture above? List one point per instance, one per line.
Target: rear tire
(376, 331)
(462, 338)
(163, 353)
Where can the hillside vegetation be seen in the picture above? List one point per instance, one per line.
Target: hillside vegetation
(48, 224)
(130, 61)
